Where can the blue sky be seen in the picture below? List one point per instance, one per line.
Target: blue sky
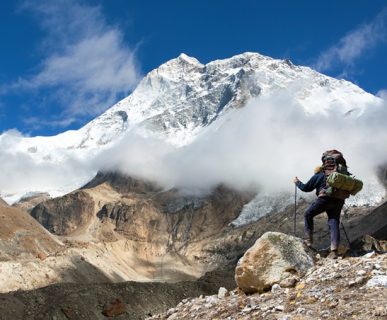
(64, 62)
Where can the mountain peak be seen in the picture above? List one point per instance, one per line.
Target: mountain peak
(183, 61)
(176, 101)
(185, 58)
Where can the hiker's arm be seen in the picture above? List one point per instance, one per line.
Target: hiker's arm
(309, 186)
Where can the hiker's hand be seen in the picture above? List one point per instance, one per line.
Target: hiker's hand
(295, 180)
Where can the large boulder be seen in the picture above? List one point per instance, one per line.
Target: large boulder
(366, 243)
(274, 258)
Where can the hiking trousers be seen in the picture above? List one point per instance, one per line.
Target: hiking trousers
(332, 207)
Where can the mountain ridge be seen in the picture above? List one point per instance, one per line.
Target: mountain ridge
(175, 103)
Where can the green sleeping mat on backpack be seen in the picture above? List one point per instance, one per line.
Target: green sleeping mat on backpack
(343, 182)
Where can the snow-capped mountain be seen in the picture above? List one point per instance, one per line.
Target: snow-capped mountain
(182, 96)
(176, 101)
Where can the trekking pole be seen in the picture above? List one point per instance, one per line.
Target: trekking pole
(346, 235)
(295, 211)
(345, 215)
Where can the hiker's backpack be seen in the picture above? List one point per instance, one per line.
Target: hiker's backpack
(333, 161)
(338, 181)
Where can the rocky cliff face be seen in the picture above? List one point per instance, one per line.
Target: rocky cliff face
(140, 205)
(165, 229)
(173, 231)
(63, 216)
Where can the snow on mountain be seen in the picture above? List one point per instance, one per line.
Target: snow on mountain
(175, 102)
(182, 96)
(261, 206)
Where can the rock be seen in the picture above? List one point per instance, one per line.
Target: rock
(371, 254)
(300, 310)
(280, 308)
(247, 309)
(367, 244)
(359, 280)
(69, 313)
(377, 281)
(114, 308)
(289, 282)
(171, 312)
(380, 311)
(325, 314)
(361, 273)
(377, 272)
(42, 256)
(351, 283)
(333, 304)
(276, 288)
(273, 258)
(300, 286)
(377, 266)
(222, 293)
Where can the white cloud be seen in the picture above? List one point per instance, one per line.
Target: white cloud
(86, 64)
(355, 44)
(22, 173)
(13, 133)
(264, 144)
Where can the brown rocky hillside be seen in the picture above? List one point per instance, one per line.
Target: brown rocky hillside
(133, 230)
(21, 236)
(164, 231)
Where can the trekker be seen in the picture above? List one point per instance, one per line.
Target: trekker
(324, 203)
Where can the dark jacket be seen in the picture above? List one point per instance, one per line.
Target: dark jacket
(316, 182)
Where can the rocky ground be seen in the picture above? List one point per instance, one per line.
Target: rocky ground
(349, 288)
(26, 264)
(127, 300)
(142, 234)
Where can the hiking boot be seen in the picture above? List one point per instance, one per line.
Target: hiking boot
(309, 241)
(333, 255)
